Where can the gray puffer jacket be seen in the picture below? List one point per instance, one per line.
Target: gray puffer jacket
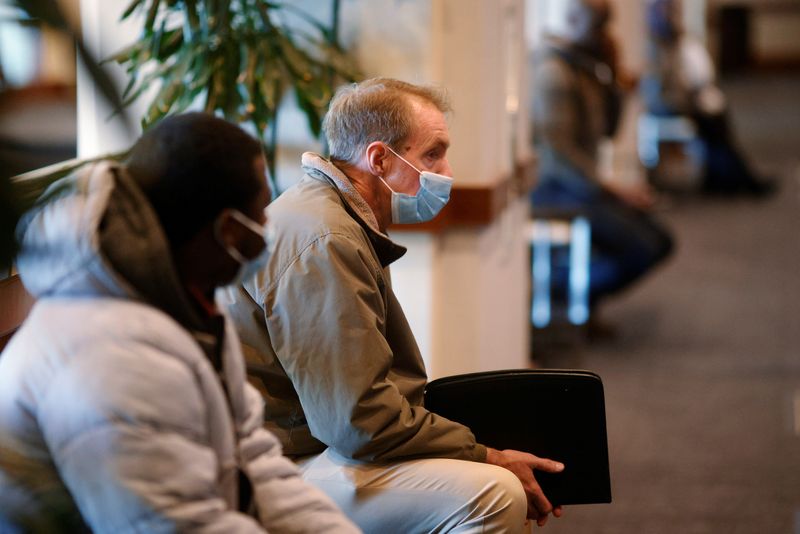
(110, 408)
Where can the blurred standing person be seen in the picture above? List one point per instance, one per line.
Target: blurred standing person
(123, 400)
(576, 104)
(679, 80)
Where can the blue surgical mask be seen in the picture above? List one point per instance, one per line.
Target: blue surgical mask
(248, 268)
(433, 194)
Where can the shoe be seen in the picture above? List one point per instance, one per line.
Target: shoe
(761, 188)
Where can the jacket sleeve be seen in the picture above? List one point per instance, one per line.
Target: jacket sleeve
(132, 446)
(326, 316)
(285, 502)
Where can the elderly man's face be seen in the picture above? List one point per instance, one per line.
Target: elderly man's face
(426, 149)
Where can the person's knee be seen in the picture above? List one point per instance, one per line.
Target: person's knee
(664, 244)
(514, 495)
(503, 502)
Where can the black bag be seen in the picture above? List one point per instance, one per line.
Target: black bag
(550, 413)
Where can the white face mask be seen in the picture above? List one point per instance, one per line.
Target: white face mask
(433, 194)
(249, 267)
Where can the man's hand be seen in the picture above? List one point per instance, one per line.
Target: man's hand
(639, 196)
(522, 465)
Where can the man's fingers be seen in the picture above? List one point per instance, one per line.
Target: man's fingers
(550, 466)
(539, 501)
(539, 507)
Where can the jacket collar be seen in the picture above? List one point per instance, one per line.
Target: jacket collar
(322, 169)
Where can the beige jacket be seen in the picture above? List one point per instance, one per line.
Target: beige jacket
(326, 340)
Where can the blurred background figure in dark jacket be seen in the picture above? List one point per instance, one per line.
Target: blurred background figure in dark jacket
(577, 104)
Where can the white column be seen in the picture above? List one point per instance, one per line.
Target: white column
(465, 290)
(104, 34)
(695, 18)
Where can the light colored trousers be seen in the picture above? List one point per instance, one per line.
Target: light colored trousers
(416, 496)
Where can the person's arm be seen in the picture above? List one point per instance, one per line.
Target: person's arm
(133, 446)
(558, 122)
(285, 502)
(326, 317)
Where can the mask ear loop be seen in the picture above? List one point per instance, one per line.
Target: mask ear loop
(404, 159)
(384, 183)
(230, 249)
(247, 222)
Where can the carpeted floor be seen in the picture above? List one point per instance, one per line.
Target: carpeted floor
(703, 382)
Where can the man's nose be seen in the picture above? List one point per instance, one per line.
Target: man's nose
(446, 170)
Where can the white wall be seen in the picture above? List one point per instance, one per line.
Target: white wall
(99, 132)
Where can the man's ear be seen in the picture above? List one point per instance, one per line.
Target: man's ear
(225, 229)
(377, 158)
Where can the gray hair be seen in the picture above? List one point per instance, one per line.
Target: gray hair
(378, 109)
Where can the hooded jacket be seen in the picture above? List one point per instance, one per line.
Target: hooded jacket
(575, 105)
(326, 339)
(108, 392)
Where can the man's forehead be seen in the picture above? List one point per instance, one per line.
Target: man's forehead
(430, 125)
(426, 107)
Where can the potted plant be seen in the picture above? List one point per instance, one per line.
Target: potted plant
(237, 58)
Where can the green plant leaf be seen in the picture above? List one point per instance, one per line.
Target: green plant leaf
(155, 43)
(311, 112)
(241, 56)
(128, 54)
(171, 44)
(130, 9)
(151, 17)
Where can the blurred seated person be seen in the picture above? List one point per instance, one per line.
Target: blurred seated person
(576, 104)
(123, 400)
(679, 80)
(331, 347)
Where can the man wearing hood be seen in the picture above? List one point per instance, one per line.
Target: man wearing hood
(331, 347)
(123, 401)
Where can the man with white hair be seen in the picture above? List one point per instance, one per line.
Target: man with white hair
(576, 104)
(336, 360)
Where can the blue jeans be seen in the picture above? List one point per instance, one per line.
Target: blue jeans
(626, 242)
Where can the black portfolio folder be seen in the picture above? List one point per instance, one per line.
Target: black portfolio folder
(550, 413)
